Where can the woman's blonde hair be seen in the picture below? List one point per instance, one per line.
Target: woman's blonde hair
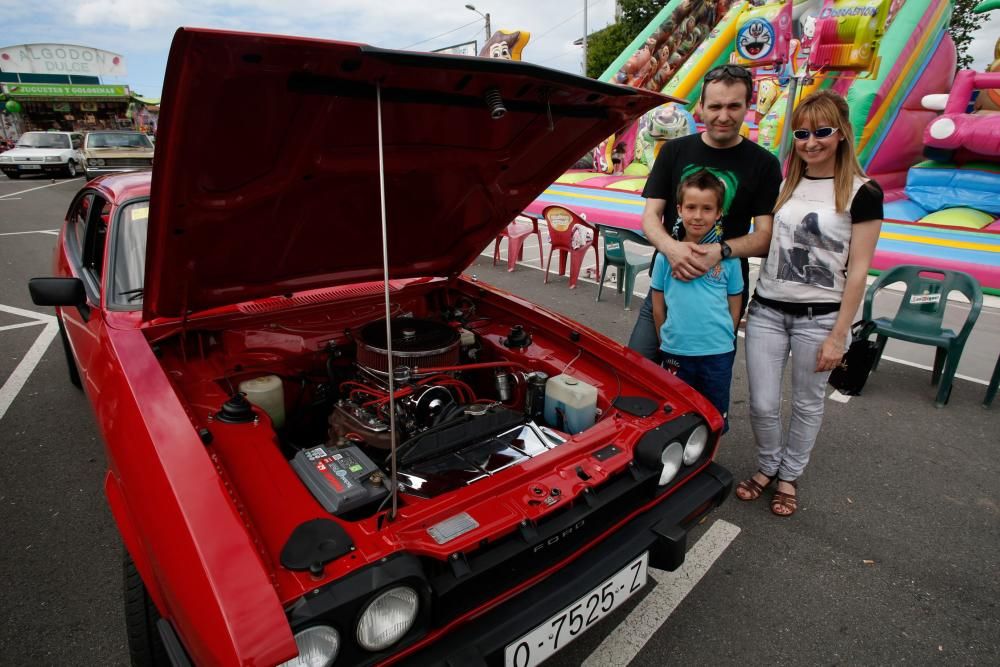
(825, 108)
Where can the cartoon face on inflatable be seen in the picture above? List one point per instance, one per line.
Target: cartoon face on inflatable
(763, 34)
(755, 39)
(767, 93)
(667, 122)
(505, 45)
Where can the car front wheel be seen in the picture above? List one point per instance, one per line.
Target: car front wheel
(145, 646)
(71, 169)
(13, 175)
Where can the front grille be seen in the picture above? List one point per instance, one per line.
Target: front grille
(128, 162)
(521, 555)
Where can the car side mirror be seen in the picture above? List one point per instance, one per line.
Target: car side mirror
(57, 292)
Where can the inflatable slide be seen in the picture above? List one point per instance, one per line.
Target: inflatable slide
(917, 58)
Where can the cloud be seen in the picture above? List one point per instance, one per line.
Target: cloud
(131, 14)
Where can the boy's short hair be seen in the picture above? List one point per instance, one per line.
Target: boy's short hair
(702, 179)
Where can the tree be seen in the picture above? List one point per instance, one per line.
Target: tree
(963, 27)
(604, 46)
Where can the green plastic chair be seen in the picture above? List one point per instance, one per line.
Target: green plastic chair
(627, 264)
(920, 315)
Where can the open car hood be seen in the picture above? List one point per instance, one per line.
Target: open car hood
(267, 176)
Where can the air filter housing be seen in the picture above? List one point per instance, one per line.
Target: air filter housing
(415, 342)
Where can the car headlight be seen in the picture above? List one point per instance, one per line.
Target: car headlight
(100, 162)
(387, 618)
(695, 444)
(53, 158)
(318, 647)
(6, 159)
(671, 458)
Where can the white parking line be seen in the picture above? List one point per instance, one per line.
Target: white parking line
(625, 642)
(54, 232)
(21, 192)
(21, 325)
(12, 387)
(9, 198)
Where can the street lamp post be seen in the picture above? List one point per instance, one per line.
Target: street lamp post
(486, 16)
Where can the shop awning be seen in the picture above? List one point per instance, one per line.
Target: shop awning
(42, 92)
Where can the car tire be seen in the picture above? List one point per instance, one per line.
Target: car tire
(14, 175)
(71, 168)
(145, 646)
(71, 367)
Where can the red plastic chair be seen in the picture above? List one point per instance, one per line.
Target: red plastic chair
(515, 233)
(562, 222)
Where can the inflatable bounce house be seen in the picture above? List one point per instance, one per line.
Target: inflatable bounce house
(894, 62)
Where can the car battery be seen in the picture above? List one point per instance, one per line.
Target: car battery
(341, 479)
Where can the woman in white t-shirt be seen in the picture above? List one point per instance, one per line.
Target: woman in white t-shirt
(826, 224)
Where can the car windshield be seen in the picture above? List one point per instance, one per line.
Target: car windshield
(130, 255)
(43, 140)
(117, 140)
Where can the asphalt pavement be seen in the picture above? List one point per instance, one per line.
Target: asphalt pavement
(891, 559)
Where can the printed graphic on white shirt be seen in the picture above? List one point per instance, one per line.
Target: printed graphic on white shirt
(810, 253)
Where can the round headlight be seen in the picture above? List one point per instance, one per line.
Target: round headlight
(695, 444)
(671, 459)
(318, 647)
(387, 618)
(100, 162)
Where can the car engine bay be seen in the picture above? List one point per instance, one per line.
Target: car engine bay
(476, 392)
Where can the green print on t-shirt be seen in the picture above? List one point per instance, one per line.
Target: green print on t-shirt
(729, 180)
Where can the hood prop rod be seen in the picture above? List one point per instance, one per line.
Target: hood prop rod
(388, 320)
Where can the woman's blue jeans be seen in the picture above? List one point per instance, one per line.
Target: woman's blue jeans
(770, 336)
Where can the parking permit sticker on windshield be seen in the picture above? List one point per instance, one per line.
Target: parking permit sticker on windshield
(140, 213)
(925, 298)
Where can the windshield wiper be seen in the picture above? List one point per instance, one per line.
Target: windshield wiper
(132, 294)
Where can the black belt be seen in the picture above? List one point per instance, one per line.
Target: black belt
(798, 309)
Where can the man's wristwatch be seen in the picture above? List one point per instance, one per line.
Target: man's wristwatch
(727, 252)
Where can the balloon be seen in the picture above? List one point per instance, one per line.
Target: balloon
(13, 106)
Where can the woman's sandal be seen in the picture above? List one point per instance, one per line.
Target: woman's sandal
(752, 488)
(785, 504)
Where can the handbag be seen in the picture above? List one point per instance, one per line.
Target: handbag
(850, 376)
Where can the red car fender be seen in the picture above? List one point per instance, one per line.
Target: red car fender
(116, 501)
(181, 526)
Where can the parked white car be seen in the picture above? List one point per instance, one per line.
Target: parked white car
(44, 152)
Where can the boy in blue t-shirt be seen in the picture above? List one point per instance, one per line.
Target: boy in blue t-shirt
(697, 320)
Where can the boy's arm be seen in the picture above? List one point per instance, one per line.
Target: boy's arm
(659, 312)
(735, 304)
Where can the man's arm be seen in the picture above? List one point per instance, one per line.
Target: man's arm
(687, 260)
(754, 244)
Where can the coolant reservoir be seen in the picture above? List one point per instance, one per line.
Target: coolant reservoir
(570, 404)
(267, 393)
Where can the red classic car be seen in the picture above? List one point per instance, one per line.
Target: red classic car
(325, 445)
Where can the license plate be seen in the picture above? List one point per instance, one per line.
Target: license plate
(30, 166)
(574, 620)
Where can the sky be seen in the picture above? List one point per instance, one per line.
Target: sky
(141, 30)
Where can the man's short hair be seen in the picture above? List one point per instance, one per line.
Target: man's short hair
(703, 179)
(729, 75)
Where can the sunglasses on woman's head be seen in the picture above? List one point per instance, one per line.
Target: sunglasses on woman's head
(819, 133)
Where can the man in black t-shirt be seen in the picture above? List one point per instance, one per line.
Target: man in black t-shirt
(752, 177)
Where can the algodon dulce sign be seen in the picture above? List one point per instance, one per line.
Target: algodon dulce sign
(61, 59)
